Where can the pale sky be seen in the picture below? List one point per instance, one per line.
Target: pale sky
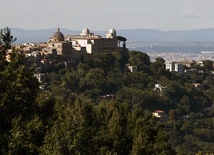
(107, 14)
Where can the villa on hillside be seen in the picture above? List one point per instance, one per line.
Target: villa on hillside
(159, 88)
(175, 66)
(160, 114)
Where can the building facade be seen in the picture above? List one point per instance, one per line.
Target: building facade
(94, 43)
(63, 48)
(174, 66)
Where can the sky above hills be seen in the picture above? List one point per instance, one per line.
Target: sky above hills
(103, 15)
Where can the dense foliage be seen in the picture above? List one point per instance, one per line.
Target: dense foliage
(100, 107)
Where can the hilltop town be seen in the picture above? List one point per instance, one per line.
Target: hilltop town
(69, 49)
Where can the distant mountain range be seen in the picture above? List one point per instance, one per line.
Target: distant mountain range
(35, 36)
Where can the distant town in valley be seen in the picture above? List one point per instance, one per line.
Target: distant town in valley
(175, 50)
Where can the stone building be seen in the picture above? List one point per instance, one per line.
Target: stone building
(94, 43)
(63, 48)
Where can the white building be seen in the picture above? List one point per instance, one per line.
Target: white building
(133, 68)
(72, 47)
(94, 43)
(159, 88)
(159, 114)
(40, 77)
(174, 66)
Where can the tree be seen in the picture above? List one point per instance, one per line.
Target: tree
(6, 41)
(18, 88)
(158, 67)
(140, 59)
(160, 59)
(93, 82)
(208, 65)
(150, 138)
(104, 60)
(72, 131)
(120, 61)
(25, 136)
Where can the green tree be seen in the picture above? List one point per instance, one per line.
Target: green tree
(93, 82)
(25, 136)
(104, 60)
(208, 65)
(18, 89)
(150, 138)
(6, 41)
(140, 59)
(72, 131)
(158, 67)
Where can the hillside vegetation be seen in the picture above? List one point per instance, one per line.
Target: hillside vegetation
(100, 107)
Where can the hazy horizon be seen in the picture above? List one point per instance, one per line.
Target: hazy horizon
(102, 30)
(165, 15)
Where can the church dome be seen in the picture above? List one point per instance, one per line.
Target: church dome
(112, 31)
(58, 36)
(85, 31)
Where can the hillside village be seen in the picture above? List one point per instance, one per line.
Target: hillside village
(69, 49)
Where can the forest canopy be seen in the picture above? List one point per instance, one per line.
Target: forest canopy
(100, 107)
